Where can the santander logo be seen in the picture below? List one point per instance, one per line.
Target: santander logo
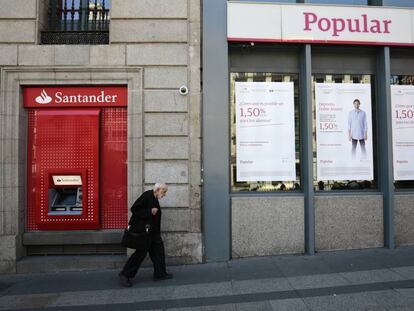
(43, 98)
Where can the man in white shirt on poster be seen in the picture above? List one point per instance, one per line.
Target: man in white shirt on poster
(357, 128)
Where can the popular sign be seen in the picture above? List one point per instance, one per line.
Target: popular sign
(269, 22)
(91, 96)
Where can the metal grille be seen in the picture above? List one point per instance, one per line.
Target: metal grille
(114, 209)
(113, 168)
(77, 22)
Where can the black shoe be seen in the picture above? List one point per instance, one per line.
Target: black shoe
(124, 281)
(166, 276)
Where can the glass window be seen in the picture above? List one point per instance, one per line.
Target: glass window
(334, 185)
(350, 2)
(403, 80)
(263, 186)
(400, 3)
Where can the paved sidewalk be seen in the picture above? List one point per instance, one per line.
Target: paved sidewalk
(377, 279)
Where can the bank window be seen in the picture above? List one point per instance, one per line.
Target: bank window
(350, 2)
(77, 22)
(264, 131)
(402, 109)
(399, 3)
(344, 132)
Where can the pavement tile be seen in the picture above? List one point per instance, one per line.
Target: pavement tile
(289, 305)
(390, 299)
(207, 273)
(254, 306)
(348, 302)
(406, 272)
(317, 281)
(302, 265)
(261, 286)
(372, 276)
(254, 268)
(225, 307)
(202, 290)
(349, 261)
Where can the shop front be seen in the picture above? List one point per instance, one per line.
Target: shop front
(319, 142)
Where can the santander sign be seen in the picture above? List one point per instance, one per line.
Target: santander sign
(63, 96)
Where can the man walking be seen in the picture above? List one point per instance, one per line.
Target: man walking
(146, 209)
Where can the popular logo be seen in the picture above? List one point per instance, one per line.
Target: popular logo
(43, 98)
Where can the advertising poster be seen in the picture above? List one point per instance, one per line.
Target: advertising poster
(344, 131)
(265, 131)
(402, 105)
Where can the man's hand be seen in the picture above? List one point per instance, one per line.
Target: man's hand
(154, 211)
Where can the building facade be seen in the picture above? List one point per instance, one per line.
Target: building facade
(99, 101)
(285, 181)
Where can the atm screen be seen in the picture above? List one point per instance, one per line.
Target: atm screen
(65, 197)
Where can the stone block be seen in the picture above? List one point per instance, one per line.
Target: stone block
(195, 195)
(163, 124)
(10, 155)
(137, 31)
(157, 54)
(134, 125)
(167, 171)
(8, 248)
(135, 149)
(195, 34)
(36, 55)
(72, 55)
(22, 31)
(10, 175)
(194, 12)
(135, 101)
(166, 148)
(135, 173)
(404, 219)
(348, 222)
(195, 220)
(187, 246)
(164, 101)
(108, 55)
(175, 219)
(149, 9)
(195, 149)
(8, 55)
(267, 226)
(165, 77)
(7, 267)
(177, 196)
(194, 59)
(18, 9)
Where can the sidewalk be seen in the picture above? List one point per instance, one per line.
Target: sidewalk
(377, 279)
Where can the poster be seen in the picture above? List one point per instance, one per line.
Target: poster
(402, 109)
(265, 131)
(344, 131)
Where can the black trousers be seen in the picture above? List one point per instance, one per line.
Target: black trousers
(361, 143)
(157, 255)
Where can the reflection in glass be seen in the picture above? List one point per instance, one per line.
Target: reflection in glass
(403, 80)
(262, 186)
(333, 185)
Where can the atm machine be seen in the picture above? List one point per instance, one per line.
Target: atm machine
(77, 157)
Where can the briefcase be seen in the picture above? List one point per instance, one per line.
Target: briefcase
(139, 241)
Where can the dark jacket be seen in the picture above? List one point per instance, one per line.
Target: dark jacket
(141, 213)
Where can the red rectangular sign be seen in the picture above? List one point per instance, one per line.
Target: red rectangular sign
(75, 96)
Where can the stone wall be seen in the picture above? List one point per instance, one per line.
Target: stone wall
(267, 225)
(348, 222)
(162, 38)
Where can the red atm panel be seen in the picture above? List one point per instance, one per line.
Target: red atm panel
(64, 174)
